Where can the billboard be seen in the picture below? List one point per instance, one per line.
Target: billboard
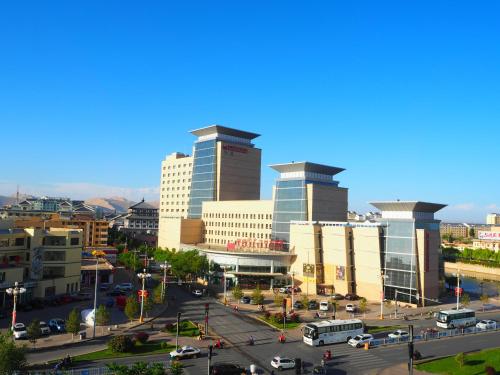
(494, 236)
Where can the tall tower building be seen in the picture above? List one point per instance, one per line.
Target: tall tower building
(305, 192)
(226, 166)
(175, 186)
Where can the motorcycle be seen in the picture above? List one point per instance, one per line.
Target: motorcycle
(417, 355)
(327, 355)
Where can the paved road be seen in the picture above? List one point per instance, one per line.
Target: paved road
(235, 328)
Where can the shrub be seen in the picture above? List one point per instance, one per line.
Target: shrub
(489, 369)
(170, 327)
(277, 318)
(267, 315)
(120, 344)
(460, 359)
(141, 337)
(294, 317)
(164, 345)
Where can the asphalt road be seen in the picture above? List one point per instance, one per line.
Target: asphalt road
(235, 329)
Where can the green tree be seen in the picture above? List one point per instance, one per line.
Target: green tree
(278, 299)
(363, 305)
(157, 294)
(34, 331)
(73, 323)
(257, 296)
(484, 299)
(116, 369)
(305, 301)
(132, 308)
(465, 299)
(102, 317)
(460, 359)
(12, 357)
(176, 368)
(237, 293)
(148, 305)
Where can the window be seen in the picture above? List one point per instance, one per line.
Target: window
(19, 241)
(75, 241)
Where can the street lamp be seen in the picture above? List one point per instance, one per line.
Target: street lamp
(292, 274)
(457, 291)
(15, 292)
(383, 277)
(164, 267)
(143, 276)
(97, 254)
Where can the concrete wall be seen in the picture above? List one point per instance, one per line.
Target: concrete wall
(335, 258)
(428, 244)
(327, 203)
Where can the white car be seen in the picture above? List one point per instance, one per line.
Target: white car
(197, 293)
(351, 308)
(486, 324)
(44, 328)
(323, 306)
(282, 363)
(19, 331)
(360, 340)
(126, 287)
(185, 352)
(399, 334)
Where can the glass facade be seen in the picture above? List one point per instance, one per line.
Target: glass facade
(399, 260)
(290, 204)
(203, 181)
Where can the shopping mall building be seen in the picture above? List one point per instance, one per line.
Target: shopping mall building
(210, 201)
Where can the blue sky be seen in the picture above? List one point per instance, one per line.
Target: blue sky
(404, 95)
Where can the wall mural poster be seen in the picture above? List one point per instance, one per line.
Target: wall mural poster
(340, 272)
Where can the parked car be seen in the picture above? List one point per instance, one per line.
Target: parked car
(360, 340)
(282, 363)
(399, 334)
(83, 296)
(324, 306)
(351, 308)
(116, 293)
(127, 287)
(245, 299)
(197, 293)
(226, 369)
(19, 331)
(185, 352)
(337, 296)
(104, 287)
(66, 299)
(57, 325)
(44, 328)
(486, 324)
(351, 297)
(312, 305)
(298, 305)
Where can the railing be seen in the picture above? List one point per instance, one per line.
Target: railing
(85, 371)
(427, 336)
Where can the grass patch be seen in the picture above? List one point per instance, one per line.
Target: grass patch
(378, 329)
(149, 348)
(289, 325)
(186, 329)
(474, 363)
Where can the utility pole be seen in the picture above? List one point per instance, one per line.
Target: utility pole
(410, 350)
(396, 312)
(177, 333)
(206, 318)
(457, 291)
(210, 349)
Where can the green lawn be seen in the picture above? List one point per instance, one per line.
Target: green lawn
(378, 329)
(475, 364)
(289, 325)
(186, 329)
(139, 350)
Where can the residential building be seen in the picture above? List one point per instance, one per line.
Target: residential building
(45, 206)
(493, 219)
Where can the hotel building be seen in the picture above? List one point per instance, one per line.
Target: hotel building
(303, 231)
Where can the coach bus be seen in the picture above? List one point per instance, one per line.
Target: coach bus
(450, 319)
(332, 331)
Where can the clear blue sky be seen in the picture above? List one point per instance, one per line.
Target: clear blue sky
(404, 95)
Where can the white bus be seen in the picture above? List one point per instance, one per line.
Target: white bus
(332, 331)
(456, 318)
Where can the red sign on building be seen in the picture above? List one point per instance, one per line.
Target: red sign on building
(459, 292)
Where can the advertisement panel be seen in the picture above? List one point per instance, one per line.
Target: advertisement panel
(494, 236)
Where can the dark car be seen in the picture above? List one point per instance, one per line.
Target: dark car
(226, 369)
(312, 305)
(351, 297)
(116, 293)
(298, 305)
(104, 287)
(245, 299)
(337, 296)
(57, 325)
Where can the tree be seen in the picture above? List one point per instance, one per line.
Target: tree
(12, 357)
(102, 317)
(363, 305)
(237, 293)
(116, 369)
(34, 331)
(257, 296)
(157, 294)
(73, 323)
(460, 359)
(148, 305)
(278, 299)
(465, 299)
(132, 308)
(305, 301)
(176, 368)
(484, 299)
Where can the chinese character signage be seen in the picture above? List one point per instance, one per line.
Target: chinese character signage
(494, 236)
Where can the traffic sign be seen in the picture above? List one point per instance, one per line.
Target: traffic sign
(459, 291)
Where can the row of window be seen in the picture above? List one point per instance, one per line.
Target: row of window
(238, 216)
(340, 328)
(263, 236)
(172, 210)
(173, 166)
(173, 181)
(224, 224)
(174, 175)
(174, 203)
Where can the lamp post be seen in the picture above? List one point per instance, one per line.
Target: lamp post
(143, 276)
(383, 277)
(457, 291)
(15, 292)
(225, 286)
(97, 254)
(164, 267)
(292, 274)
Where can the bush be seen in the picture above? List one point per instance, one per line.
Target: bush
(489, 369)
(170, 327)
(294, 317)
(267, 315)
(164, 345)
(120, 344)
(141, 337)
(460, 359)
(277, 318)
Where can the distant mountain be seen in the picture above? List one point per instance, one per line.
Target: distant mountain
(6, 200)
(118, 204)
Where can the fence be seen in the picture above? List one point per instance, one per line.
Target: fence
(85, 371)
(427, 336)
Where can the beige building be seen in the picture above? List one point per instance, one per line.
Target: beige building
(488, 239)
(46, 262)
(493, 219)
(175, 185)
